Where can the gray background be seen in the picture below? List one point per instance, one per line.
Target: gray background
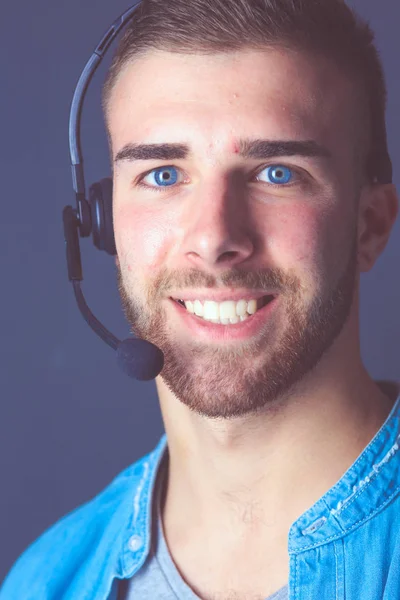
(69, 419)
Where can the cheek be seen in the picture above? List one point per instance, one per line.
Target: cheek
(142, 236)
(296, 233)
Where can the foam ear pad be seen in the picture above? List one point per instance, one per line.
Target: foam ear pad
(100, 200)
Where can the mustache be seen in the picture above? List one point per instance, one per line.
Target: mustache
(168, 280)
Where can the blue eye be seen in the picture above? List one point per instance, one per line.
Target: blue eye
(277, 174)
(162, 176)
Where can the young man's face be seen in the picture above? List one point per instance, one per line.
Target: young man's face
(210, 218)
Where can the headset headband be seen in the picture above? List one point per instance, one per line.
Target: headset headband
(78, 177)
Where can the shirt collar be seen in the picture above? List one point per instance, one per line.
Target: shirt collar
(365, 488)
(137, 540)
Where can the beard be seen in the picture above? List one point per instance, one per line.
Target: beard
(239, 379)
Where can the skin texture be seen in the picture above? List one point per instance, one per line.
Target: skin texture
(247, 421)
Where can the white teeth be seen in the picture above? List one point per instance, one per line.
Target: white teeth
(252, 307)
(189, 306)
(211, 310)
(241, 308)
(227, 310)
(225, 313)
(198, 308)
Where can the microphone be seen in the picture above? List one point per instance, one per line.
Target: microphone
(138, 358)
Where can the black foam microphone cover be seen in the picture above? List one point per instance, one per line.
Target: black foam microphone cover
(140, 359)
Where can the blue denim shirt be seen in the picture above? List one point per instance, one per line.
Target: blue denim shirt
(345, 547)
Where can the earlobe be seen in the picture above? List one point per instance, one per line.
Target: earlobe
(379, 208)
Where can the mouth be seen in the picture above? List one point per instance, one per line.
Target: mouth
(228, 312)
(229, 321)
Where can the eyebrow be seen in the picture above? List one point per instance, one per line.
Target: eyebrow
(270, 148)
(258, 149)
(133, 152)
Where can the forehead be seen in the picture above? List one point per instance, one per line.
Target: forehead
(247, 93)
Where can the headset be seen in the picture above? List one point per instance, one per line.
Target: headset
(138, 358)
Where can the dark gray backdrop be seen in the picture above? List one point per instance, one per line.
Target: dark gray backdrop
(69, 419)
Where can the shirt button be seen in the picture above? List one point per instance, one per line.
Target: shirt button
(135, 542)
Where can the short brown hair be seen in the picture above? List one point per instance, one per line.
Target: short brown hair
(321, 27)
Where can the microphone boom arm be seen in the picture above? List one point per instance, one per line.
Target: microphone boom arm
(74, 264)
(91, 320)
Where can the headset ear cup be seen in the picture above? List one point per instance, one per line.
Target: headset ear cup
(100, 199)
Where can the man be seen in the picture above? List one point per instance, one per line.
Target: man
(246, 139)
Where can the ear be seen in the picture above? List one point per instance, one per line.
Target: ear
(378, 211)
(117, 261)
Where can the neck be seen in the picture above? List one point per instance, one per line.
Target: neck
(243, 472)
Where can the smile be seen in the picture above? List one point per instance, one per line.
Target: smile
(215, 325)
(228, 312)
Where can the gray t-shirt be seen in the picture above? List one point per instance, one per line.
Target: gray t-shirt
(159, 579)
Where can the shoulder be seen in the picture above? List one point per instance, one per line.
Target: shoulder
(83, 539)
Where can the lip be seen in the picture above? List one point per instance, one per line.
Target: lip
(222, 295)
(206, 331)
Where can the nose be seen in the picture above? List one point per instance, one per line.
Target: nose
(217, 227)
